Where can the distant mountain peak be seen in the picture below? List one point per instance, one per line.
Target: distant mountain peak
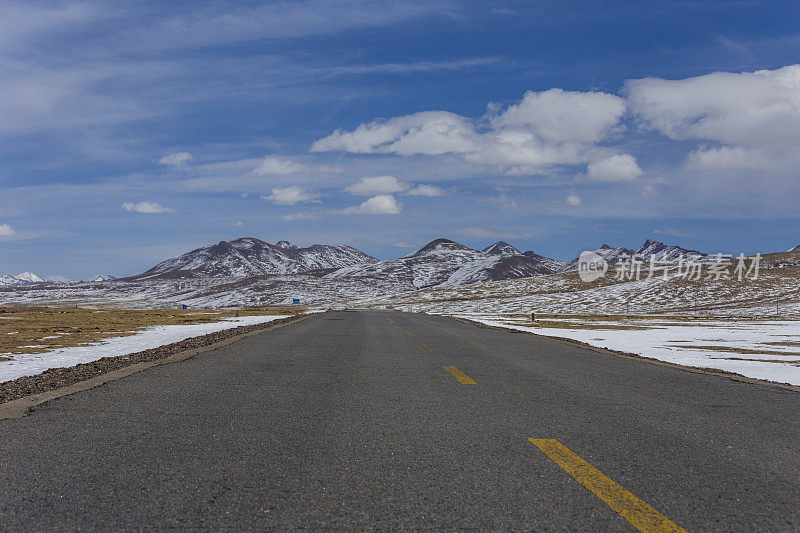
(501, 248)
(23, 278)
(30, 277)
(439, 245)
(610, 255)
(554, 265)
(438, 242)
(248, 256)
(795, 249)
(659, 251)
(443, 262)
(651, 249)
(221, 247)
(104, 277)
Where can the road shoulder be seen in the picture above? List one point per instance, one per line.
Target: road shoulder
(51, 384)
(696, 370)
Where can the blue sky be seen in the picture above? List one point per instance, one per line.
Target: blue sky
(130, 132)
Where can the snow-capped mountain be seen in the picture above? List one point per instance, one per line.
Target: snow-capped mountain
(501, 248)
(8, 279)
(658, 251)
(445, 262)
(795, 249)
(553, 264)
(609, 253)
(661, 252)
(30, 277)
(248, 256)
(104, 277)
(23, 278)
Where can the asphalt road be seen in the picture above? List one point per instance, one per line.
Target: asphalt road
(349, 420)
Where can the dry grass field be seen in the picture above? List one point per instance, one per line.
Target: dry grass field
(39, 329)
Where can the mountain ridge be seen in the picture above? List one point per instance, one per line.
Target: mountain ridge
(23, 278)
(501, 248)
(248, 256)
(650, 249)
(439, 262)
(446, 262)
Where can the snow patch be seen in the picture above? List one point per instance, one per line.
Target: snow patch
(673, 343)
(152, 337)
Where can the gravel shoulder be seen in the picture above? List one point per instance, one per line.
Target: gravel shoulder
(56, 378)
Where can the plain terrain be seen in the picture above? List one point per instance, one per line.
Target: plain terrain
(42, 329)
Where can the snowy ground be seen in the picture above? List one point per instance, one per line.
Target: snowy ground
(776, 292)
(762, 349)
(153, 337)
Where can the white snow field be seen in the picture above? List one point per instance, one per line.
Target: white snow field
(761, 349)
(152, 337)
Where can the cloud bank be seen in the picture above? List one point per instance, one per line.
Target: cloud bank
(754, 116)
(146, 207)
(747, 121)
(290, 195)
(176, 160)
(543, 130)
(383, 204)
(369, 186)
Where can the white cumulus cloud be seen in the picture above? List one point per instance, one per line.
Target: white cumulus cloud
(6, 230)
(427, 133)
(744, 158)
(272, 165)
(146, 207)
(573, 200)
(544, 129)
(755, 116)
(177, 159)
(58, 278)
(290, 195)
(383, 204)
(369, 186)
(563, 116)
(621, 167)
(750, 108)
(426, 190)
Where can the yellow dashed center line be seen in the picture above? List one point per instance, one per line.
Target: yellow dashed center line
(422, 347)
(460, 376)
(631, 508)
(408, 333)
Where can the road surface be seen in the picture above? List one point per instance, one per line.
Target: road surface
(387, 420)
